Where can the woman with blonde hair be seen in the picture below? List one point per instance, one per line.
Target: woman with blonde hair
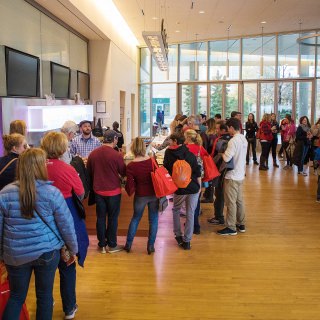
(175, 122)
(67, 180)
(18, 126)
(14, 144)
(35, 223)
(140, 184)
(194, 144)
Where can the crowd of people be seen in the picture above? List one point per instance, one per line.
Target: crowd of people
(41, 188)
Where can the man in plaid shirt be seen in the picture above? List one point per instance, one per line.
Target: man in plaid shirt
(83, 144)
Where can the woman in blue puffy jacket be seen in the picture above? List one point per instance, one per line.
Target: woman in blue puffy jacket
(35, 223)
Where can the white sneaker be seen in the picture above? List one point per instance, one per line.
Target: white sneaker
(71, 314)
(102, 250)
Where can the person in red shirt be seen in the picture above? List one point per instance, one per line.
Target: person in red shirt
(66, 179)
(265, 139)
(105, 166)
(194, 143)
(139, 182)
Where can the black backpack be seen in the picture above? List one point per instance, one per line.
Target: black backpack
(78, 164)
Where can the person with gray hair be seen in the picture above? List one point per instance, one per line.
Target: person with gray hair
(69, 128)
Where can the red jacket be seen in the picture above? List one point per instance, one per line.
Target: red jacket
(265, 131)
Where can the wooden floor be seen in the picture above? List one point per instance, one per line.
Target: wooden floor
(272, 272)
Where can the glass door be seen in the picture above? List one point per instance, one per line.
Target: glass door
(284, 99)
(249, 100)
(216, 99)
(266, 98)
(303, 100)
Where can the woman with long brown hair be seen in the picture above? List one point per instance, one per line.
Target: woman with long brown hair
(35, 223)
(140, 184)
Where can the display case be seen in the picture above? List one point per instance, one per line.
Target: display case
(45, 118)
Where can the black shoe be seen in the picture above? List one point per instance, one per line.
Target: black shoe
(263, 168)
(196, 231)
(227, 232)
(186, 245)
(275, 165)
(150, 248)
(127, 247)
(215, 221)
(179, 240)
(256, 163)
(247, 163)
(241, 228)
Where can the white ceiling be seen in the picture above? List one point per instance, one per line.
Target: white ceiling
(244, 16)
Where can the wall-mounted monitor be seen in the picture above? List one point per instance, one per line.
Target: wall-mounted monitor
(60, 80)
(83, 85)
(22, 73)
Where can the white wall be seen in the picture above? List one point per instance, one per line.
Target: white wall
(112, 71)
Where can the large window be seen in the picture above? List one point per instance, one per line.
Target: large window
(307, 57)
(258, 74)
(164, 101)
(249, 100)
(193, 61)
(288, 56)
(266, 98)
(171, 74)
(145, 59)
(285, 99)
(145, 111)
(216, 96)
(259, 58)
(303, 100)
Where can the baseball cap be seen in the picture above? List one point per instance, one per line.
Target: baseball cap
(234, 113)
(85, 121)
(109, 136)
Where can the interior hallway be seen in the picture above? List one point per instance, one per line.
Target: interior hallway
(270, 272)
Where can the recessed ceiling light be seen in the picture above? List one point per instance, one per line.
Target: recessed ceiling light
(154, 18)
(263, 22)
(201, 11)
(220, 21)
(177, 31)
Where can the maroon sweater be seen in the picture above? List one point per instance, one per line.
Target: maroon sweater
(105, 166)
(139, 178)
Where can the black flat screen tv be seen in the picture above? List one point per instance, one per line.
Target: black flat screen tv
(60, 80)
(83, 85)
(22, 73)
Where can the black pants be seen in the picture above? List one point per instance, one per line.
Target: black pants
(265, 149)
(285, 145)
(274, 144)
(253, 143)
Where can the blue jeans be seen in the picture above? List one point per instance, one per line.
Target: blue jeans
(139, 203)
(19, 278)
(196, 224)
(67, 285)
(107, 207)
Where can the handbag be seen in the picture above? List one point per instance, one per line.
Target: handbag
(210, 169)
(65, 254)
(4, 297)
(162, 182)
(79, 205)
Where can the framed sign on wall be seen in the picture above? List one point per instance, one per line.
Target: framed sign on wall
(101, 107)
